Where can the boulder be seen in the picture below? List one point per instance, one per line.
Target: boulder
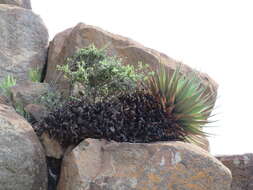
(55, 47)
(99, 164)
(26, 93)
(23, 42)
(241, 167)
(22, 158)
(66, 43)
(21, 3)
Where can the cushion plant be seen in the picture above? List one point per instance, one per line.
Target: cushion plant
(136, 117)
(184, 99)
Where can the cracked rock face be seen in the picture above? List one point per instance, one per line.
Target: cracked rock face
(103, 165)
(23, 42)
(22, 158)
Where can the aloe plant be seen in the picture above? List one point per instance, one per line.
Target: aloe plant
(184, 99)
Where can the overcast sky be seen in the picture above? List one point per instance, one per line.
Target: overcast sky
(214, 36)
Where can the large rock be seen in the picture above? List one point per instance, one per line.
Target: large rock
(69, 41)
(23, 42)
(241, 167)
(21, 3)
(102, 165)
(22, 159)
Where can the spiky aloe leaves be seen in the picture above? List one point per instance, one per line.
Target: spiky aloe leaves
(184, 99)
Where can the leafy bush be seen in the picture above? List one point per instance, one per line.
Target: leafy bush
(51, 100)
(101, 75)
(6, 84)
(183, 99)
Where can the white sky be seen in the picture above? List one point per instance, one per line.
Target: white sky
(214, 36)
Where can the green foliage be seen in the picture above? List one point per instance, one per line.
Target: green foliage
(34, 75)
(19, 108)
(6, 84)
(101, 75)
(183, 99)
(51, 100)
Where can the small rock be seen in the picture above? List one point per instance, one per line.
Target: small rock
(36, 111)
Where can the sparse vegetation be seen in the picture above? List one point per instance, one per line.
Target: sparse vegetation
(51, 100)
(6, 84)
(34, 75)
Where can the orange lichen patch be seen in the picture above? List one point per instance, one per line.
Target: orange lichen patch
(154, 178)
(193, 187)
(199, 175)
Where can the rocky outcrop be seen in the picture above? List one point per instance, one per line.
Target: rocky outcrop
(69, 41)
(22, 159)
(21, 3)
(99, 164)
(241, 167)
(23, 42)
(27, 92)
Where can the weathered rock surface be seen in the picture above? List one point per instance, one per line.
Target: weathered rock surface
(22, 159)
(241, 167)
(69, 41)
(26, 93)
(98, 164)
(21, 3)
(23, 42)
